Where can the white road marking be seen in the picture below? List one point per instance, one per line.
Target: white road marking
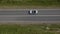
(25, 9)
(25, 15)
(30, 22)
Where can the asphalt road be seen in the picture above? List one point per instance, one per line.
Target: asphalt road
(25, 12)
(29, 18)
(22, 15)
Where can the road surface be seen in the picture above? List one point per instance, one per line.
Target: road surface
(25, 12)
(22, 15)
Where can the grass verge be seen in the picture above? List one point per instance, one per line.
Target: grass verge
(30, 29)
(32, 3)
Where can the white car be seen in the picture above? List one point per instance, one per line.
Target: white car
(32, 12)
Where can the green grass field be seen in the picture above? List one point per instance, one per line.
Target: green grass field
(30, 2)
(30, 29)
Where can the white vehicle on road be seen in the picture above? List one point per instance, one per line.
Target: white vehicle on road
(32, 12)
